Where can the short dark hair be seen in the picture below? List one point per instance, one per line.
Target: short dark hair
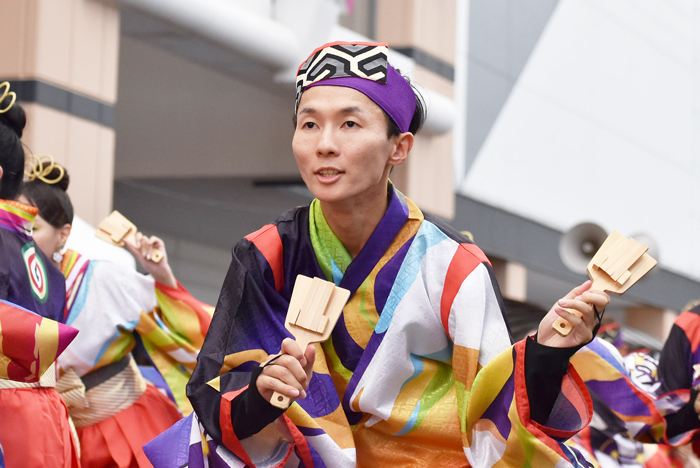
(419, 115)
(51, 200)
(418, 119)
(12, 125)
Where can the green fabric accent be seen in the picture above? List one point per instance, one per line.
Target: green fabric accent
(528, 444)
(363, 303)
(462, 403)
(438, 387)
(326, 244)
(119, 347)
(171, 315)
(329, 252)
(168, 308)
(177, 379)
(335, 360)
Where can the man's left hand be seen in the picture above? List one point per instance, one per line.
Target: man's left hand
(583, 299)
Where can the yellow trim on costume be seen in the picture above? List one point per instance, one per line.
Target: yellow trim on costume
(215, 383)
(47, 341)
(236, 359)
(4, 360)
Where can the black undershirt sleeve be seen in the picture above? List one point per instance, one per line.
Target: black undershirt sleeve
(676, 361)
(676, 372)
(684, 420)
(250, 412)
(545, 367)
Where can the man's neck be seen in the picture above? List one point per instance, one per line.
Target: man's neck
(354, 221)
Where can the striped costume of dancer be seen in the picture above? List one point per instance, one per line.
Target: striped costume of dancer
(34, 427)
(419, 370)
(630, 405)
(113, 406)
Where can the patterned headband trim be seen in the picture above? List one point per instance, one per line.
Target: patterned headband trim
(366, 60)
(362, 66)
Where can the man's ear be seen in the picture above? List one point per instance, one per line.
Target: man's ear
(1, 172)
(64, 233)
(404, 143)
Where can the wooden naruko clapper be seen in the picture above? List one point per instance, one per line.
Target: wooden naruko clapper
(616, 266)
(116, 229)
(313, 311)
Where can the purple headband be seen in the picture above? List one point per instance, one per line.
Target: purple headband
(363, 67)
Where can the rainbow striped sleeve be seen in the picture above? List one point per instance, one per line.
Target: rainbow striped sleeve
(173, 334)
(29, 343)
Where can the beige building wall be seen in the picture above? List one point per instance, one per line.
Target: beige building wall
(62, 58)
(181, 119)
(425, 30)
(652, 320)
(512, 279)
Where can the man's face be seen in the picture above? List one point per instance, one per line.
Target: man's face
(341, 146)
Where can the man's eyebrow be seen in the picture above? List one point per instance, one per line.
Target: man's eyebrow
(346, 110)
(350, 110)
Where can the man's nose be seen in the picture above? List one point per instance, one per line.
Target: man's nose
(327, 143)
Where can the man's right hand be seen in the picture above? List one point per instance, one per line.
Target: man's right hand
(290, 374)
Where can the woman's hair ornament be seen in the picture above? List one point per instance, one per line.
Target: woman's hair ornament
(5, 94)
(41, 168)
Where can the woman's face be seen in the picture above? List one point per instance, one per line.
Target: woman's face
(47, 237)
(341, 145)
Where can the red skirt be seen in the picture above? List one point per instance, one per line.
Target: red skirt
(34, 429)
(117, 442)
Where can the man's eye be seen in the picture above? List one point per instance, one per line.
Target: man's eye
(309, 125)
(350, 123)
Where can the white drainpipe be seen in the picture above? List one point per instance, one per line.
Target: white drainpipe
(257, 37)
(459, 137)
(270, 42)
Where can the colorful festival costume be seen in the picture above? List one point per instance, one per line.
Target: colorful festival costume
(419, 370)
(679, 366)
(114, 408)
(34, 427)
(631, 408)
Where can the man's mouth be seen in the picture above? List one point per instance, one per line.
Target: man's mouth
(328, 172)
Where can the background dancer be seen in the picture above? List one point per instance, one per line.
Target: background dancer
(113, 407)
(34, 427)
(679, 368)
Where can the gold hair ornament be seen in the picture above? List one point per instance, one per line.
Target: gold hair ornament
(5, 93)
(38, 170)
